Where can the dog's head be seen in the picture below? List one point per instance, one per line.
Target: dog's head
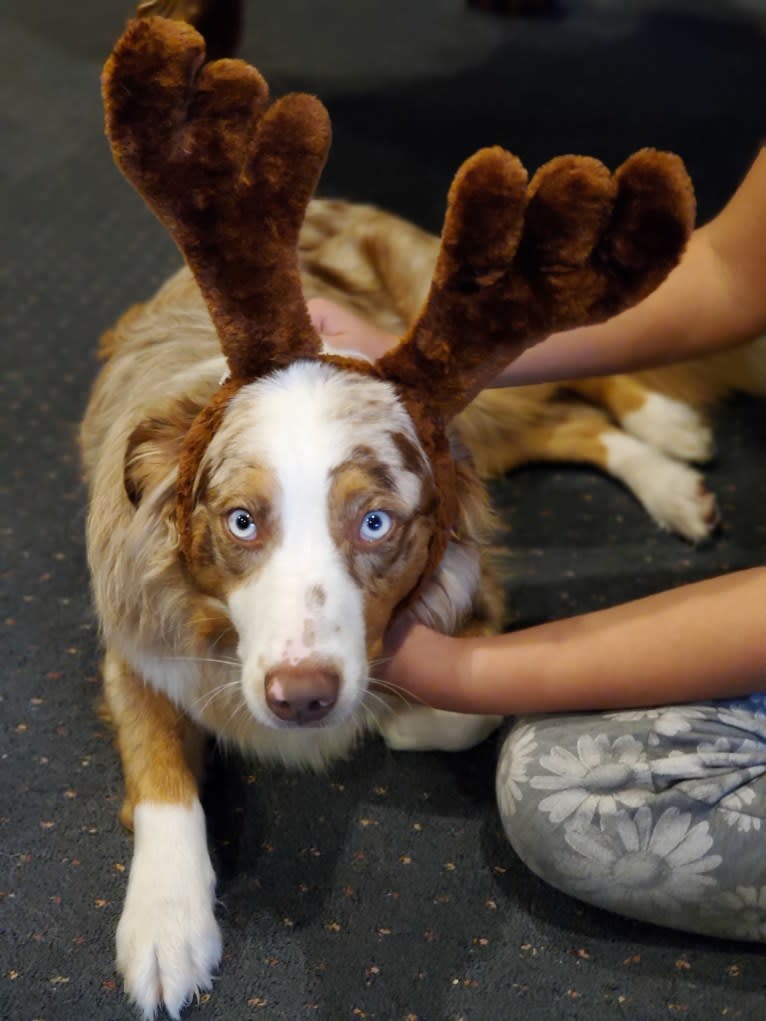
(316, 494)
(311, 517)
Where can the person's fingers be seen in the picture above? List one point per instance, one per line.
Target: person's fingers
(330, 320)
(343, 330)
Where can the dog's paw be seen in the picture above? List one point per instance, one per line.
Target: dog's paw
(420, 728)
(686, 506)
(671, 426)
(673, 493)
(168, 941)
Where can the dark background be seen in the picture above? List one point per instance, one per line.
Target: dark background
(384, 890)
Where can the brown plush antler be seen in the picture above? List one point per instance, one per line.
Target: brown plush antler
(518, 263)
(229, 178)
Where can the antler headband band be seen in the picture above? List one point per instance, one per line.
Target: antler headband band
(230, 177)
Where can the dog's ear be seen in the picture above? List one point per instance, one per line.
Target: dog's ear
(519, 262)
(154, 447)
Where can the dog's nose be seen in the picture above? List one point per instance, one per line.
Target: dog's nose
(304, 693)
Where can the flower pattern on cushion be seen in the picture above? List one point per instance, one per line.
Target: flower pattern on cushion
(634, 862)
(512, 770)
(603, 775)
(745, 907)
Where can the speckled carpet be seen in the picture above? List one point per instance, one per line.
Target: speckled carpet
(384, 890)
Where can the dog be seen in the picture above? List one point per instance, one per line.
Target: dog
(276, 665)
(260, 509)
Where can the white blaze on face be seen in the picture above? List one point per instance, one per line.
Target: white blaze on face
(302, 604)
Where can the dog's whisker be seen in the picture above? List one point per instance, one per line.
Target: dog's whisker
(227, 631)
(396, 691)
(373, 699)
(202, 659)
(378, 699)
(379, 661)
(210, 696)
(389, 686)
(369, 712)
(202, 709)
(242, 706)
(232, 715)
(239, 708)
(379, 682)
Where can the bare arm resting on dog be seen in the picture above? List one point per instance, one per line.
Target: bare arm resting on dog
(692, 643)
(714, 299)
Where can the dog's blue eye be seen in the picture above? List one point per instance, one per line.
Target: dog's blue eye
(375, 525)
(241, 525)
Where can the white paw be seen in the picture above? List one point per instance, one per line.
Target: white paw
(682, 503)
(168, 941)
(671, 426)
(674, 494)
(420, 729)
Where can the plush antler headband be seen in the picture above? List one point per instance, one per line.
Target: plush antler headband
(230, 177)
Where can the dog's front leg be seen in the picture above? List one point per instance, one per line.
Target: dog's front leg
(168, 942)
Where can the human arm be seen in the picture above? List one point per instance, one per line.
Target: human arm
(714, 299)
(699, 641)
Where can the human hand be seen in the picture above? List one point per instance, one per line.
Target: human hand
(344, 332)
(422, 665)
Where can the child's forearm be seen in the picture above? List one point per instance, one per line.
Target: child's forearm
(700, 641)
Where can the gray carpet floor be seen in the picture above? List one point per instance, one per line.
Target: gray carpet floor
(383, 890)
